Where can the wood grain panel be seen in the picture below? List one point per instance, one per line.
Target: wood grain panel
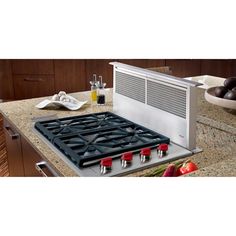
(14, 152)
(31, 86)
(30, 158)
(33, 66)
(221, 68)
(233, 68)
(6, 82)
(69, 75)
(3, 153)
(184, 67)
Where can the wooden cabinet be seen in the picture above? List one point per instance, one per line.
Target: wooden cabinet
(233, 68)
(21, 79)
(30, 86)
(30, 158)
(70, 75)
(14, 151)
(33, 78)
(33, 67)
(221, 68)
(22, 157)
(184, 68)
(3, 153)
(6, 82)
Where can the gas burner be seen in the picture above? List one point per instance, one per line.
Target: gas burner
(88, 138)
(68, 125)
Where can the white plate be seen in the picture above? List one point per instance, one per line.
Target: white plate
(208, 81)
(226, 103)
(73, 105)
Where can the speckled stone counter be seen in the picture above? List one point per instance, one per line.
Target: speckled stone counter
(215, 116)
(216, 133)
(22, 114)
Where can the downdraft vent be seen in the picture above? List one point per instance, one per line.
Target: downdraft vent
(130, 86)
(166, 98)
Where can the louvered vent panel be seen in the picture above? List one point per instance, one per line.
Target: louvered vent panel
(166, 98)
(130, 86)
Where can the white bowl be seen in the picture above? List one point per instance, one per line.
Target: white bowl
(226, 103)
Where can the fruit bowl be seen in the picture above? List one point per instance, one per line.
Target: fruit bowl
(211, 98)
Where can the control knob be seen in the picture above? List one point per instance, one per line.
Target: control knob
(162, 149)
(145, 154)
(106, 165)
(126, 159)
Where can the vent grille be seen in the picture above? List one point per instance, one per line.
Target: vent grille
(130, 86)
(166, 98)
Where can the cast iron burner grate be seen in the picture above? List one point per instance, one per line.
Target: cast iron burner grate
(88, 138)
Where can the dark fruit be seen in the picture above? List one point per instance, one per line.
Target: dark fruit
(220, 91)
(234, 89)
(230, 83)
(231, 95)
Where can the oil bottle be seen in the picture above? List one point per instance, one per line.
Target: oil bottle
(93, 91)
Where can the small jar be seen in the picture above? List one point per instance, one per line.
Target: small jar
(101, 96)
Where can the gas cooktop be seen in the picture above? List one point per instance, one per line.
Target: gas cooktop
(86, 139)
(105, 144)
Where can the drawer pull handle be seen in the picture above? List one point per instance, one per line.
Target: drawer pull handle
(33, 79)
(43, 164)
(11, 133)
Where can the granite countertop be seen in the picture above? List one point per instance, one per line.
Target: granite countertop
(214, 115)
(215, 127)
(23, 114)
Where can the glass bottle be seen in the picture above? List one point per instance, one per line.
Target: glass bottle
(93, 91)
(101, 96)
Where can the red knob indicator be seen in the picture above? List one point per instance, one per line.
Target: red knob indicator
(162, 149)
(107, 162)
(105, 165)
(128, 156)
(126, 159)
(146, 151)
(145, 154)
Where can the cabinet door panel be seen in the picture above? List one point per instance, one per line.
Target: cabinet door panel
(32, 66)
(3, 153)
(14, 151)
(30, 158)
(233, 68)
(6, 83)
(184, 68)
(31, 86)
(221, 68)
(69, 75)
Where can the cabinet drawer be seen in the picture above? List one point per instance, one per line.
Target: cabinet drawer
(32, 66)
(30, 86)
(14, 151)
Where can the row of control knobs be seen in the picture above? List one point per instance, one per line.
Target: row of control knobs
(126, 158)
